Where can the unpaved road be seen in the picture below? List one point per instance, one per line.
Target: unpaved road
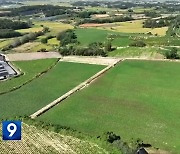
(32, 56)
(91, 60)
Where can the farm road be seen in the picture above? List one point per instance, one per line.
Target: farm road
(32, 56)
(74, 90)
(91, 60)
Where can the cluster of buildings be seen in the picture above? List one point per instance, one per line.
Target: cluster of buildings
(6, 71)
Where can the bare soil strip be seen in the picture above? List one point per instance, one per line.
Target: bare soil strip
(91, 60)
(32, 56)
(72, 91)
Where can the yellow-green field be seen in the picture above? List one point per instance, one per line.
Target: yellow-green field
(5, 43)
(141, 9)
(39, 2)
(29, 30)
(136, 26)
(41, 46)
(53, 42)
(54, 27)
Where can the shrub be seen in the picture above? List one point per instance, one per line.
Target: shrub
(172, 54)
(138, 44)
(44, 40)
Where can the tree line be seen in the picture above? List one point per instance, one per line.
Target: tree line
(8, 33)
(10, 24)
(47, 10)
(88, 14)
(25, 39)
(69, 45)
(107, 20)
(158, 23)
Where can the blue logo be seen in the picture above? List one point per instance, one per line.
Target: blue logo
(11, 130)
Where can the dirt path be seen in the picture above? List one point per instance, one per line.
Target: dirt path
(32, 56)
(110, 62)
(91, 60)
(74, 90)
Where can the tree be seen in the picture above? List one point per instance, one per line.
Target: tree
(108, 46)
(138, 43)
(172, 54)
(44, 40)
(24, 39)
(67, 37)
(16, 42)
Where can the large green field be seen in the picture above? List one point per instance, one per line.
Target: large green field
(41, 91)
(28, 70)
(90, 35)
(137, 52)
(135, 99)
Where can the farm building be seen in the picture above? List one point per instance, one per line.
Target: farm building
(151, 150)
(6, 70)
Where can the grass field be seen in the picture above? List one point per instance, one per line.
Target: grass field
(135, 99)
(30, 70)
(38, 93)
(5, 43)
(35, 28)
(55, 27)
(151, 52)
(136, 26)
(42, 46)
(53, 42)
(122, 41)
(90, 35)
(163, 41)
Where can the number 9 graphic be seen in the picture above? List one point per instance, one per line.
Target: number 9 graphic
(11, 130)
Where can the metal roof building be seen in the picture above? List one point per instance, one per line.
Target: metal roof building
(6, 70)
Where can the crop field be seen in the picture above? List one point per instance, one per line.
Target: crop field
(122, 41)
(32, 47)
(136, 26)
(36, 28)
(135, 99)
(4, 43)
(86, 36)
(151, 52)
(141, 9)
(41, 46)
(163, 41)
(48, 142)
(30, 69)
(43, 90)
(53, 42)
(55, 27)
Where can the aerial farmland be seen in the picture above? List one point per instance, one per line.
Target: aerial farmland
(90, 77)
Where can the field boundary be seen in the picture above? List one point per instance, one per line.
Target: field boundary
(88, 81)
(74, 90)
(149, 59)
(32, 56)
(35, 77)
